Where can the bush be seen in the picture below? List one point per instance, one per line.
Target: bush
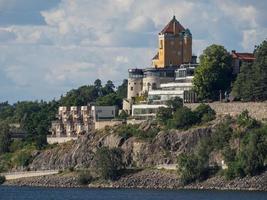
(204, 113)
(85, 178)
(127, 131)
(109, 162)
(183, 118)
(23, 158)
(191, 168)
(163, 115)
(2, 179)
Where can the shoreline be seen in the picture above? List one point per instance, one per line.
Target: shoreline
(147, 179)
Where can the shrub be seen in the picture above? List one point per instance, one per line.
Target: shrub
(85, 178)
(2, 179)
(23, 158)
(244, 120)
(191, 168)
(109, 162)
(127, 131)
(204, 113)
(183, 118)
(163, 115)
(175, 103)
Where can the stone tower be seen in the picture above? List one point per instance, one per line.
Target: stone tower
(175, 46)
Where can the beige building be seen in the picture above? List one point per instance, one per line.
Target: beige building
(175, 46)
(175, 49)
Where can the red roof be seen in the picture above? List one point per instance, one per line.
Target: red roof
(172, 27)
(243, 56)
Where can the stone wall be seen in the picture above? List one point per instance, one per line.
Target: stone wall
(59, 140)
(103, 124)
(257, 110)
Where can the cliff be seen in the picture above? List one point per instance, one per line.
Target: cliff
(163, 149)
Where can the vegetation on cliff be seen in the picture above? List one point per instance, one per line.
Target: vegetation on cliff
(242, 142)
(34, 117)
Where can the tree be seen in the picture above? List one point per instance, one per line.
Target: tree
(251, 82)
(122, 89)
(204, 113)
(5, 139)
(175, 103)
(214, 73)
(243, 86)
(163, 115)
(109, 162)
(109, 87)
(109, 100)
(183, 118)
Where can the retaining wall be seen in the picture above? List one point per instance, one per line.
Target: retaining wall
(257, 110)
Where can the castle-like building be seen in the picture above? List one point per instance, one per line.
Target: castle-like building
(175, 46)
(172, 63)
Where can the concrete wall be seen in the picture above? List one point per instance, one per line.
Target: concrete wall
(103, 124)
(257, 110)
(59, 140)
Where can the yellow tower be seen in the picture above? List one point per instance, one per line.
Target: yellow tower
(175, 46)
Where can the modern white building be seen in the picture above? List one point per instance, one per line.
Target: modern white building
(146, 110)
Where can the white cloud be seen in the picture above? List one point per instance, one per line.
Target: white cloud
(82, 40)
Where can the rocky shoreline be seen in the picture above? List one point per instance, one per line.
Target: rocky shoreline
(147, 179)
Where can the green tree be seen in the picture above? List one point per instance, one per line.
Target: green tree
(5, 139)
(109, 100)
(109, 162)
(122, 89)
(214, 73)
(204, 113)
(175, 103)
(163, 115)
(183, 118)
(251, 82)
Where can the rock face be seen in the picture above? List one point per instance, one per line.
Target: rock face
(163, 149)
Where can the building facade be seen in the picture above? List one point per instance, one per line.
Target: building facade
(78, 120)
(174, 51)
(174, 46)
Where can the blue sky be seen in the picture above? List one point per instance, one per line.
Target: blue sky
(48, 47)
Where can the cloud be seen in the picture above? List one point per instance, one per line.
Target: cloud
(59, 45)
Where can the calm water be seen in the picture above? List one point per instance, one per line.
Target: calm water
(19, 193)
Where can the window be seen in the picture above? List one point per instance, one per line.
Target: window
(161, 44)
(172, 43)
(131, 88)
(179, 53)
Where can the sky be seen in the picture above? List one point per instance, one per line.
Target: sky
(48, 47)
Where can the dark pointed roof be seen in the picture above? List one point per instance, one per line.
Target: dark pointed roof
(156, 56)
(173, 27)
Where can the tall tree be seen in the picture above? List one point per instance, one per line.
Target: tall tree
(122, 89)
(251, 82)
(214, 73)
(5, 139)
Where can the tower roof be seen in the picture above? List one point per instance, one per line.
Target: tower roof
(173, 27)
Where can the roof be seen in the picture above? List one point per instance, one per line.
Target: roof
(156, 57)
(243, 56)
(172, 27)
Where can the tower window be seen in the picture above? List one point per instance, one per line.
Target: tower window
(161, 44)
(131, 88)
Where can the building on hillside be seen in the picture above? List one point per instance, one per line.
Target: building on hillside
(180, 87)
(175, 46)
(239, 58)
(174, 55)
(78, 120)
